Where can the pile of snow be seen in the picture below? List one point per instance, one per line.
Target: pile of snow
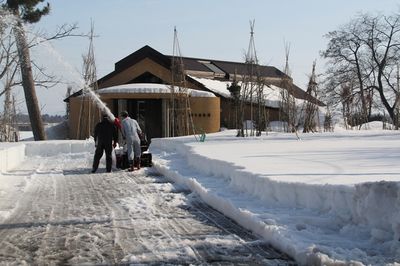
(327, 199)
(52, 148)
(11, 155)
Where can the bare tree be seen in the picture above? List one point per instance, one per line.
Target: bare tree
(25, 11)
(311, 108)
(365, 53)
(288, 102)
(180, 111)
(8, 58)
(234, 90)
(28, 11)
(87, 110)
(15, 56)
(249, 96)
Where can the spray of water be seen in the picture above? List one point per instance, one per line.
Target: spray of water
(87, 90)
(7, 19)
(100, 104)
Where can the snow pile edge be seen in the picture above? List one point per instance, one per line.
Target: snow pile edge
(357, 205)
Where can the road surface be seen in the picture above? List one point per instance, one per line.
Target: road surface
(68, 216)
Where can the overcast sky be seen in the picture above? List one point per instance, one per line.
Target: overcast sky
(213, 29)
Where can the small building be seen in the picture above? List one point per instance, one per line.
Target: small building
(141, 84)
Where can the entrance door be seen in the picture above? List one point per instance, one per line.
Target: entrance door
(148, 114)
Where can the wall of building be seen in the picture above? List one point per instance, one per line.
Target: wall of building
(84, 115)
(206, 114)
(228, 113)
(146, 65)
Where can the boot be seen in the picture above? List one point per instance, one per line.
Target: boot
(137, 163)
(131, 166)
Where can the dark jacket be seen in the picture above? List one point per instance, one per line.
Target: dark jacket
(105, 132)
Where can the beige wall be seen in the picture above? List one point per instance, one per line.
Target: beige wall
(83, 116)
(146, 65)
(206, 114)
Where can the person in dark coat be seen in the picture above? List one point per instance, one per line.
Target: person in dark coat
(105, 137)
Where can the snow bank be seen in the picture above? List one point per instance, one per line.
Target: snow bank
(51, 148)
(11, 155)
(13, 183)
(315, 222)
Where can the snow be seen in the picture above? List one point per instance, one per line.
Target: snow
(326, 199)
(150, 88)
(272, 96)
(11, 155)
(329, 198)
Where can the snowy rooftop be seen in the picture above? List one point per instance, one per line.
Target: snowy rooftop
(271, 92)
(150, 88)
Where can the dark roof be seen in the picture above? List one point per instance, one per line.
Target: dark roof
(228, 67)
(135, 57)
(142, 53)
(190, 64)
(198, 64)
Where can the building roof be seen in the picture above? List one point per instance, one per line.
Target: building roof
(225, 68)
(201, 68)
(228, 68)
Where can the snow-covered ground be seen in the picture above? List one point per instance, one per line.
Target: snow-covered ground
(326, 199)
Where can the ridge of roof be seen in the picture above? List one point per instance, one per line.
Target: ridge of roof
(133, 58)
(138, 55)
(230, 67)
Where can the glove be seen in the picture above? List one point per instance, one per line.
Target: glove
(117, 123)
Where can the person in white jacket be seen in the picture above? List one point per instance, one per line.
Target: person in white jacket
(131, 132)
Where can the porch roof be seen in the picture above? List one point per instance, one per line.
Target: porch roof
(161, 90)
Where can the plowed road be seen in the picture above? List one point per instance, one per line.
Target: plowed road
(65, 215)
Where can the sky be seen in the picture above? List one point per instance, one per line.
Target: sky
(206, 29)
(337, 203)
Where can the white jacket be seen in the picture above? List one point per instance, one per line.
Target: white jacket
(130, 130)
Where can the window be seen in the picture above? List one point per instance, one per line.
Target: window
(212, 67)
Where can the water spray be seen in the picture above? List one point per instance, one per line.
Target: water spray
(100, 104)
(9, 19)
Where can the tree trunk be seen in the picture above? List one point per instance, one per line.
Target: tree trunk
(28, 84)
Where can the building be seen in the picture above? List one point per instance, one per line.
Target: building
(141, 84)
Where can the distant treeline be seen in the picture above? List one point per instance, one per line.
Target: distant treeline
(24, 118)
